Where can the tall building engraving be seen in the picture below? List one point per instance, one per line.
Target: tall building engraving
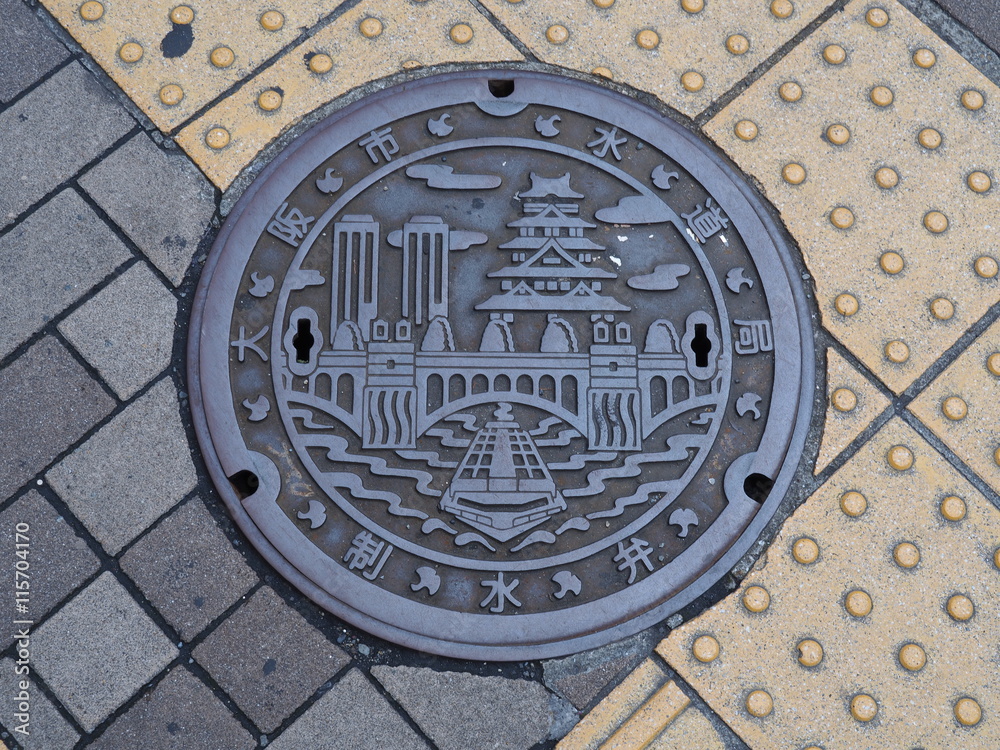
(354, 295)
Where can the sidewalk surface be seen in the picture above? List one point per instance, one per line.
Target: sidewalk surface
(872, 620)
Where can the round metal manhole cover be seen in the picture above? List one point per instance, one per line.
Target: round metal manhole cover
(500, 365)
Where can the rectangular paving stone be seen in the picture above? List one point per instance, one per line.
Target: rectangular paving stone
(30, 50)
(60, 560)
(126, 331)
(49, 261)
(51, 133)
(47, 402)
(98, 650)
(46, 729)
(269, 659)
(188, 569)
(180, 713)
(351, 716)
(131, 472)
(159, 199)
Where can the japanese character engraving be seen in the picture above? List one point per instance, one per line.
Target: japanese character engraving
(289, 225)
(501, 591)
(609, 140)
(365, 553)
(638, 551)
(704, 223)
(754, 336)
(380, 141)
(243, 343)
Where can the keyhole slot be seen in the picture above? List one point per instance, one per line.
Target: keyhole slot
(701, 345)
(303, 341)
(501, 88)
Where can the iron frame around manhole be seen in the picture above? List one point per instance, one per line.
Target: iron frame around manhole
(226, 456)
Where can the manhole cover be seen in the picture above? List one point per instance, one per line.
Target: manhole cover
(500, 365)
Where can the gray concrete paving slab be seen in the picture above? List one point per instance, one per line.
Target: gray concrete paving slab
(44, 728)
(30, 49)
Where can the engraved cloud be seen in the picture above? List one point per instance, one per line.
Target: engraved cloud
(636, 209)
(662, 279)
(444, 178)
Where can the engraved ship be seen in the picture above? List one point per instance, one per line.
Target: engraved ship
(502, 487)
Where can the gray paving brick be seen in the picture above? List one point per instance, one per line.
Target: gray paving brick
(352, 716)
(47, 402)
(59, 559)
(98, 650)
(131, 472)
(46, 729)
(460, 711)
(51, 133)
(180, 713)
(160, 200)
(126, 331)
(49, 261)
(30, 50)
(188, 569)
(268, 658)
(982, 17)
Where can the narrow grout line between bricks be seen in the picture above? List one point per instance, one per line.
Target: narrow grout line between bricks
(31, 88)
(507, 33)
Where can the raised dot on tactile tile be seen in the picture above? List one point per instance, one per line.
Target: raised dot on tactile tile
(906, 555)
(834, 54)
(899, 457)
(968, 712)
(370, 27)
(993, 363)
(603, 3)
(838, 134)
(222, 57)
(877, 17)
(269, 100)
(972, 99)
(600, 70)
(91, 11)
(217, 138)
(979, 182)
(996, 558)
(182, 15)
(790, 91)
(130, 52)
(858, 604)
(756, 599)
(461, 33)
(805, 551)
(924, 58)
(897, 352)
(557, 34)
(960, 608)
(881, 96)
(793, 173)
(759, 703)
(705, 648)
(891, 262)
(942, 308)
(853, 504)
(886, 178)
(746, 130)
(411, 64)
(863, 707)
(846, 304)
(320, 63)
(954, 408)
(171, 94)
(935, 222)
(272, 20)
(738, 44)
(953, 508)
(929, 138)
(693, 6)
(912, 657)
(996, 456)
(810, 653)
(693, 81)
(781, 8)
(844, 399)
(647, 39)
(986, 267)
(842, 218)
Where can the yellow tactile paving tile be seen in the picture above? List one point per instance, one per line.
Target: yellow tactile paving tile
(686, 52)
(370, 41)
(879, 145)
(852, 403)
(873, 621)
(221, 41)
(962, 406)
(642, 727)
(691, 730)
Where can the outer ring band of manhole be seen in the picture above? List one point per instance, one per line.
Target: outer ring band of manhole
(487, 363)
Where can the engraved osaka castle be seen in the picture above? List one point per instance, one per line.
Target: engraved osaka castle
(391, 382)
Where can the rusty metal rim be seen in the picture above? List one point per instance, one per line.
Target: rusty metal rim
(723, 179)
